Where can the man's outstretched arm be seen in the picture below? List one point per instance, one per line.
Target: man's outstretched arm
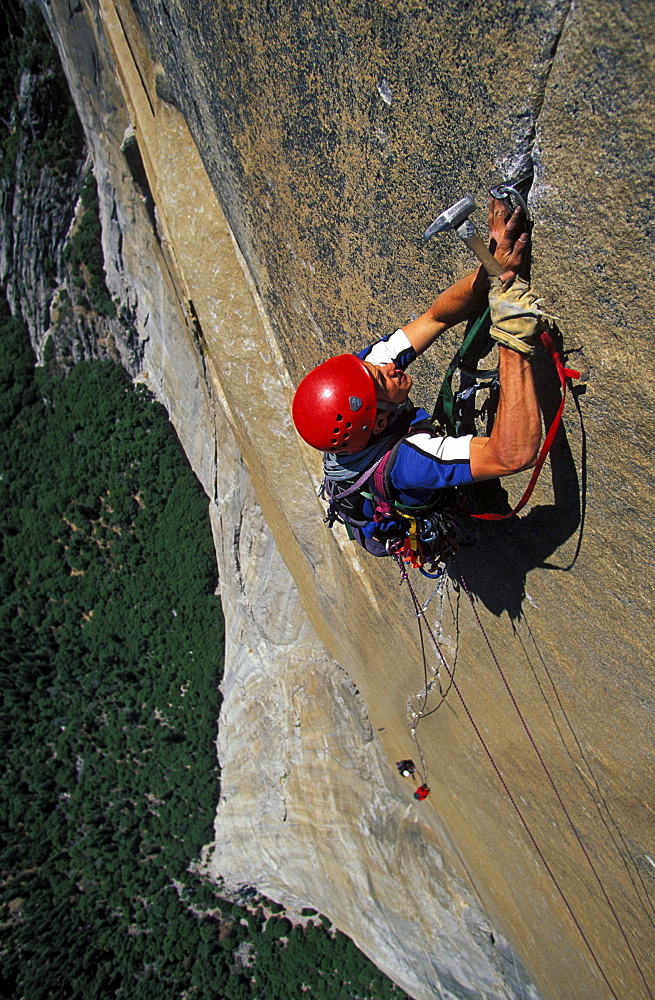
(467, 296)
(513, 444)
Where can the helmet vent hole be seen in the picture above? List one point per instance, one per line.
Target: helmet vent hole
(348, 426)
(346, 436)
(339, 417)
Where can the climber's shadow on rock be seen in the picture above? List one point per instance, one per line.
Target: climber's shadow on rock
(495, 569)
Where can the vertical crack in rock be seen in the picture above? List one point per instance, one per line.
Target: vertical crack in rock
(132, 153)
(236, 539)
(535, 99)
(196, 331)
(552, 52)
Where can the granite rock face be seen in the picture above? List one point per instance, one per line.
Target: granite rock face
(266, 172)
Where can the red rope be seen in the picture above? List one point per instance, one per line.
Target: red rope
(563, 374)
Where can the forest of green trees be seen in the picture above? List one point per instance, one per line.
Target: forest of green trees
(111, 652)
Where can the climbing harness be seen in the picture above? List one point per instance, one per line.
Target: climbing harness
(425, 537)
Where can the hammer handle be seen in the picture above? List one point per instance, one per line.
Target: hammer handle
(484, 254)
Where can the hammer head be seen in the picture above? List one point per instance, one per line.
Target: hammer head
(452, 218)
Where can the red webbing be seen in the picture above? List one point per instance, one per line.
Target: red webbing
(563, 374)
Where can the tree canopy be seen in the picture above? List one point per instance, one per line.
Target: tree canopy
(111, 656)
(111, 651)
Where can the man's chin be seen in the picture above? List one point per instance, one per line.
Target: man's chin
(404, 388)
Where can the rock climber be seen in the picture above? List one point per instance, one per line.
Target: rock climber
(355, 407)
(406, 767)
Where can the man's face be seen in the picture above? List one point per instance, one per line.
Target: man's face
(391, 384)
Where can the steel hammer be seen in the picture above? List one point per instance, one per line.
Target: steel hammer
(457, 217)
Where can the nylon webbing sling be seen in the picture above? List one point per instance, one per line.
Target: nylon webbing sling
(473, 347)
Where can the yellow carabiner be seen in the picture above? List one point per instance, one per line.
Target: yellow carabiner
(412, 538)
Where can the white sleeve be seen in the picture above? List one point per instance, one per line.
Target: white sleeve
(444, 449)
(390, 349)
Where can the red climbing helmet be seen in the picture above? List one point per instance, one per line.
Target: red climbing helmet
(334, 406)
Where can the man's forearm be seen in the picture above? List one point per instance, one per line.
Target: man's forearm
(459, 302)
(514, 441)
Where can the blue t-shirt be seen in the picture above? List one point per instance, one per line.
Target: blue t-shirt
(424, 463)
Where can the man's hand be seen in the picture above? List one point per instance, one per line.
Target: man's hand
(466, 297)
(508, 239)
(516, 313)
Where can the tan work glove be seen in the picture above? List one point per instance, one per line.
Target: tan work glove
(516, 314)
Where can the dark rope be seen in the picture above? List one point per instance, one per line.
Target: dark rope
(552, 783)
(560, 891)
